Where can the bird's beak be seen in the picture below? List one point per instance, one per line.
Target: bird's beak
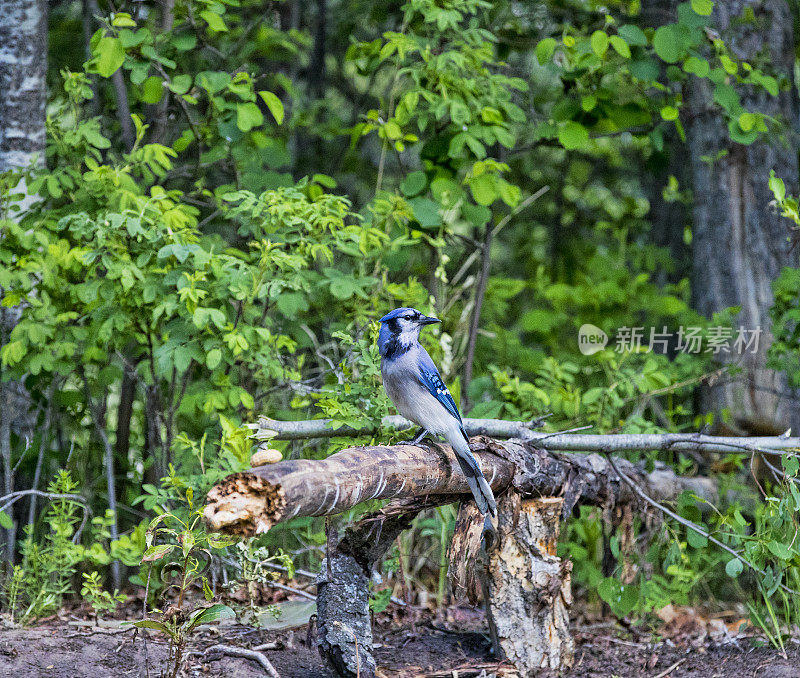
(428, 320)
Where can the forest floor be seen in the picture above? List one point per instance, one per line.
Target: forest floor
(419, 645)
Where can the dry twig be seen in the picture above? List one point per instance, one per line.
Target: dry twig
(231, 651)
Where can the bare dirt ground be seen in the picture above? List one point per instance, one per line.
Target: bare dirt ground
(425, 646)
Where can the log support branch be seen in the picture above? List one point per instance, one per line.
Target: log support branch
(344, 624)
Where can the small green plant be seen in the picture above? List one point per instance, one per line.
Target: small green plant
(101, 600)
(12, 592)
(254, 567)
(38, 586)
(178, 627)
(182, 554)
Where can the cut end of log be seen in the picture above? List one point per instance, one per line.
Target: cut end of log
(243, 505)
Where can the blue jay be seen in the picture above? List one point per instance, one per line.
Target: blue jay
(416, 388)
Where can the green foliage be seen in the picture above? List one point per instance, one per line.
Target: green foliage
(606, 71)
(39, 584)
(784, 353)
(101, 600)
(258, 566)
(179, 549)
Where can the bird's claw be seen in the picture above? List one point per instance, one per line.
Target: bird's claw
(414, 443)
(422, 435)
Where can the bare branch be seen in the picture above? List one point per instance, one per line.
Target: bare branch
(555, 442)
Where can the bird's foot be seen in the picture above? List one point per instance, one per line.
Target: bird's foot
(416, 441)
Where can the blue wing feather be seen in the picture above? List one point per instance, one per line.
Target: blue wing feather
(432, 381)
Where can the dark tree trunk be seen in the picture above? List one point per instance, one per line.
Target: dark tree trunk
(316, 68)
(23, 67)
(739, 244)
(667, 217)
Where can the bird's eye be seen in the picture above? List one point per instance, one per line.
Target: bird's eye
(408, 317)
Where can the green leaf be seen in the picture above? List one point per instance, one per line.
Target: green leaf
(633, 35)
(697, 66)
(274, 104)
(5, 521)
(778, 189)
(544, 50)
(728, 64)
(573, 135)
(185, 42)
(599, 42)
(13, 352)
(644, 69)
(213, 358)
(180, 84)
(210, 614)
(667, 43)
(151, 624)
(484, 189)
(248, 115)
(620, 46)
(152, 90)
(477, 215)
(695, 539)
(122, 20)
(324, 180)
(669, 113)
(110, 56)
(214, 20)
(621, 598)
(446, 192)
(779, 550)
(426, 212)
(734, 567)
(290, 304)
(702, 7)
(414, 183)
(157, 552)
(727, 97)
(747, 121)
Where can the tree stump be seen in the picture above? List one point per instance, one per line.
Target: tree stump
(530, 586)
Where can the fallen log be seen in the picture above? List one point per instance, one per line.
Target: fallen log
(252, 502)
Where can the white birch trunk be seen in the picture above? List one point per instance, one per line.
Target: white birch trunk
(23, 93)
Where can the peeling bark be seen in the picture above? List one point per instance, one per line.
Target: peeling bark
(252, 502)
